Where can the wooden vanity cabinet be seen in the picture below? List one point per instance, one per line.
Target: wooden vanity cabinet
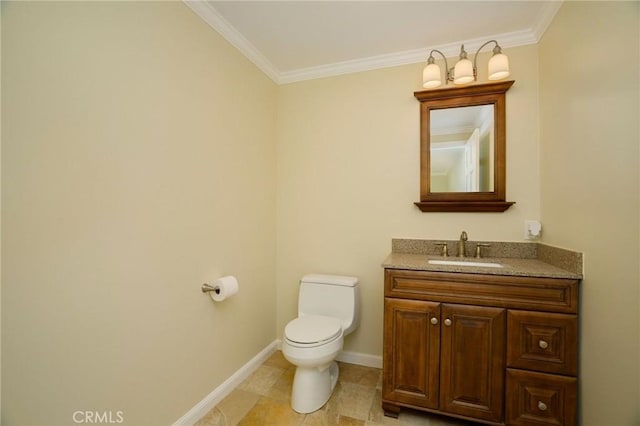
(488, 348)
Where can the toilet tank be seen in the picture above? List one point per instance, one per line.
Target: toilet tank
(331, 295)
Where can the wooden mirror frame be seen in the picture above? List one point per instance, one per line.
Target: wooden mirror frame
(480, 94)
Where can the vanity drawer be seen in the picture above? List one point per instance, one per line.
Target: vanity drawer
(540, 399)
(530, 293)
(542, 341)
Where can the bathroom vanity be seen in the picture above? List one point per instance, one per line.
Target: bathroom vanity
(493, 344)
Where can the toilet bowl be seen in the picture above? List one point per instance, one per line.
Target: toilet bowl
(327, 310)
(317, 372)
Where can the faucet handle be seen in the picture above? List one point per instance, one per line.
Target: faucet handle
(445, 250)
(479, 249)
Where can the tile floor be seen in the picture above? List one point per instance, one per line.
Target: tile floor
(263, 399)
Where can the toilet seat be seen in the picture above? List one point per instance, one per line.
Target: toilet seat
(312, 330)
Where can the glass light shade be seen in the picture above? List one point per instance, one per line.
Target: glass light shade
(463, 72)
(498, 67)
(431, 76)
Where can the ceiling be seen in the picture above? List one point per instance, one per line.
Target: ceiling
(301, 40)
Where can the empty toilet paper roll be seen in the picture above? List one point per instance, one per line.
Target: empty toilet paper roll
(226, 287)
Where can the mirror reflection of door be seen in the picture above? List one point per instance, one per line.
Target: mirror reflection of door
(462, 149)
(472, 162)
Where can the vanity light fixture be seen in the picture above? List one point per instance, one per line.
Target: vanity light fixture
(464, 71)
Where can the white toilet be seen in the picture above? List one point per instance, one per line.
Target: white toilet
(328, 310)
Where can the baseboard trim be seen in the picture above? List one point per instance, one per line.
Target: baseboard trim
(219, 393)
(360, 359)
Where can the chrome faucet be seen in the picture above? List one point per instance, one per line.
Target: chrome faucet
(461, 249)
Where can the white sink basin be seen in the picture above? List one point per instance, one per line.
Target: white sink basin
(465, 263)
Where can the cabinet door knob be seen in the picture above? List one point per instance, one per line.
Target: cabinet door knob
(434, 320)
(542, 406)
(447, 322)
(543, 344)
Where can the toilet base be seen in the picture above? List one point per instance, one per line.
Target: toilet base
(312, 387)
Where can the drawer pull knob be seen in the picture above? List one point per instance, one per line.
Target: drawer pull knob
(543, 344)
(447, 322)
(542, 406)
(434, 320)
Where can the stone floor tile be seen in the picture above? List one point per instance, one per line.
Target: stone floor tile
(349, 421)
(281, 389)
(322, 417)
(328, 414)
(376, 415)
(236, 405)
(355, 400)
(358, 374)
(417, 418)
(278, 360)
(264, 399)
(262, 379)
(271, 412)
(436, 420)
(212, 418)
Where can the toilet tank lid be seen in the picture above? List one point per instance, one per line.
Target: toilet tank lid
(330, 279)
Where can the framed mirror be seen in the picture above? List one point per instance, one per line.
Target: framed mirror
(463, 148)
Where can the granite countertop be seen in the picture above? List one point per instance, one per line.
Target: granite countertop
(517, 259)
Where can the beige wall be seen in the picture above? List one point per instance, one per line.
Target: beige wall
(0, 215)
(138, 161)
(131, 174)
(348, 174)
(589, 94)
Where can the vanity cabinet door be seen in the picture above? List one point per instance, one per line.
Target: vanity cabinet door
(411, 353)
(472, 361)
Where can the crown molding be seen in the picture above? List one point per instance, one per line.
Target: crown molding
(355, 65)
(506, 40)
(545, 18)
(207, 12)
(210, 15)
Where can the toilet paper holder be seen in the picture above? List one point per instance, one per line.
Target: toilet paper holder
(206, 288)
(221, 288)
